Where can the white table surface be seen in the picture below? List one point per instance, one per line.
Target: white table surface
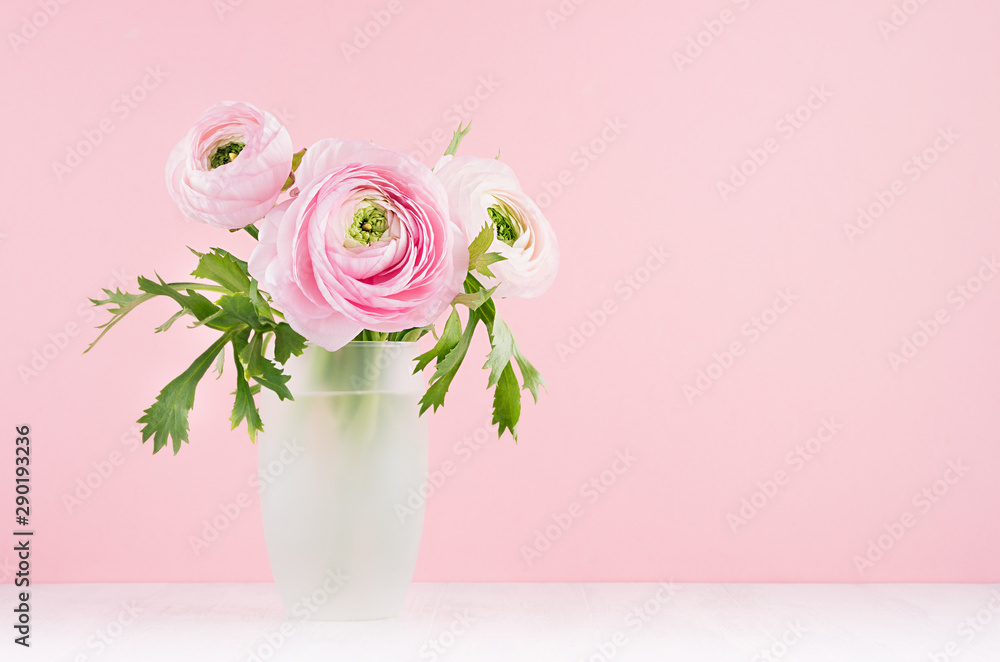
(514, 622)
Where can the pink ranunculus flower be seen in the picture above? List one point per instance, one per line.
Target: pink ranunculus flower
(486, 191)
(366, 244)
(229, 169)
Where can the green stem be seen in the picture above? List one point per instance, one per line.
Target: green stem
(146, 297)
(252, 231)
(198, 286)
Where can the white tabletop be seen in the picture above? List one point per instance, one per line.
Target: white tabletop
(514, 622)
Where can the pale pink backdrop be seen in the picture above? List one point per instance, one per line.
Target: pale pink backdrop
(662, 272)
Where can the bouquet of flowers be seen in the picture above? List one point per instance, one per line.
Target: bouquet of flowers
(355, 243)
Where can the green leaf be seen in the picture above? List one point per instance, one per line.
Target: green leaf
(252, 354)
(223, 268)
(287, 342)
(479, 259)
(244, 406)
(473, 300)
(220, 363)
(263, 308)
(450, 336)
(456, 138)
(176, 316)
(483, 262)
(117, 298)
(482, 242)
(507, 403)
(273, 378)
(119, 305)
(503, 347)
(532, 378)
(241, 307)
(447, 368)
(416, 333)
(486, 312)
(167, 419)
(199, 306)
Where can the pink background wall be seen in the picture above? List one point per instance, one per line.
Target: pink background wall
(661, 134)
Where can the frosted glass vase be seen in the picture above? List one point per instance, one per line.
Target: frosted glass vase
(336, 467)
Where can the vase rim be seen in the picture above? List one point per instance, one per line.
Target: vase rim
(367, 343)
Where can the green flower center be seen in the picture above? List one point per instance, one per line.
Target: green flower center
(225, 154)
(369, 223)
(503, 220)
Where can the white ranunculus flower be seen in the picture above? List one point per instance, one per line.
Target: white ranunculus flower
(484, 191)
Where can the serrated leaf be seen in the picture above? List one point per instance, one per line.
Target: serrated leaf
(125, 303)
(287, 343)
(503, 346)
(252, 355)
(450, 336)
(119, 298)
(456, 138)
(273, 378)
(223, 268)
(173, 318)
(199, 306)
(446, 369)
(263, 308)
(529, 374)
(479, 259)
(482, 242)
(167, 418)
(240, 307)
(244, 407)
(483, 262)
(473, 300)
(486, 312)
(507, 403)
